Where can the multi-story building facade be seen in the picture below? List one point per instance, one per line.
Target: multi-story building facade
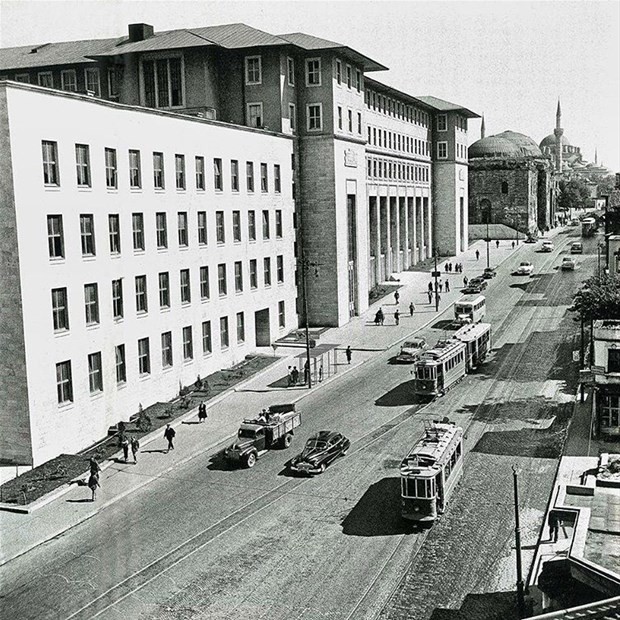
(225, 157)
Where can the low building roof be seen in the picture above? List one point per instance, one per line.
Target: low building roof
(442, 105)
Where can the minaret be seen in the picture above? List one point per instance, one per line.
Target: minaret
(558, 131)
(482, 129)
(595, 156)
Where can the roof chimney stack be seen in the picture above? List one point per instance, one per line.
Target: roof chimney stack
(139, 32)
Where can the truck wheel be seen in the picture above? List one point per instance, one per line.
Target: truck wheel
(287, 440)
(250, 459)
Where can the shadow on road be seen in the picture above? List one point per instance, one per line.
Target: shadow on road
(397, 397)
(487, 606)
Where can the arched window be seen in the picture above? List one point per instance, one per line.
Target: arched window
(504, 187)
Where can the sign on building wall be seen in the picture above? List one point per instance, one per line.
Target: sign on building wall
(350, 158)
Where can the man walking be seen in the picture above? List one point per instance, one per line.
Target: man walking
(554, 526)
(396, 297)
(430, 297)
(447, 286)
(465, 280)
(430, 286)
(93, 483)
(125, 446)
(477, 254)
(169, 434)
(135, 446)
(411, 309)
(202, 412)
(348, 353)
(397, 317)
(497, 244)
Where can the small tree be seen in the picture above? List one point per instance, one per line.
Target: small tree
(573, 194)
(599, 298)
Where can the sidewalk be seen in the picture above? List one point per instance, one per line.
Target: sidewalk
(22, 532)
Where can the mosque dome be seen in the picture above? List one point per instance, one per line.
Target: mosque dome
(551, 140)
(493, 146)
(527, 147)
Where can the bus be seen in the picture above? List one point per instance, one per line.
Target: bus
(439, 368)
(470, 309)
(430, 472)
(477, 339)
(588, 227)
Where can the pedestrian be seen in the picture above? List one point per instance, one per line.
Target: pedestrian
(348, 353)
(450, 267)
(93, 483)
(430, 297)
(460, 267)
(497, 244)
(438, 298)
(554, 526)
(396, 297)
(381, 316)
(306, 372)
(135, 446)
(513, 245)
(436, 285)
(447, 286)
(295, 375)
(290, 376)
(440, 286)
(465, 280)
(411, 309)
(377, 318)
(477, 254)
(446, 268)
(94, 467)
(397, 317)
(125, 446)
(321, 373)
(202, 412)
(169, 434)
(430, 286)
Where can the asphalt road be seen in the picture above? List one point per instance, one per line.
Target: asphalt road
(209, 542)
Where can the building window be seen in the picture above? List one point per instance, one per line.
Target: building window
(95, 374)
(137, 226)
(234, 175)
(135, 173)
(442, 122)
(281, 314)
(313, 72)
(87, 234)
(45, 78)
(91, 304)
(220, 230)
(117, 299)
(207, 343)
(205, 292)
(266, 231)
(144, 357)
(113, 79)
(202, 227)
(348, 76)
(238, 277)
(141, 297)
(359, 123)
(224, 337)
(278, 223)
(82, 165)
(50, 163)
(253, 274)
(350, 119)
(314, 114)
(280, 269)
(217, 174)
(339, 117)
(249, 175)
(267, 271)
(179, 171)
(442, 150)
(253, 73)
(221, 280)
(290, 71)
(161, 231)
(613, 360)
(292, 116)
(166, 350)
(163, 83)
(358, 80)
(504, 187)
(158, 171)
(186, 293)
(24, 78)
(93, 82)
(60, 310)
(252, 225)
(264, 181)
(236, 217)
(183, 233)
(164, 290)
(68, 80)
(200, 172)
(338, 72)
(610, 411)
(121, 367)
(277, 183)
(111, 180)
(64, 383)
(240, 328)
(255, 115)
(55, 236)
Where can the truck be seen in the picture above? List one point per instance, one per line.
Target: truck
(273, 428)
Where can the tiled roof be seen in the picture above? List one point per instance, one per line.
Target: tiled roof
(446, 106)
(174, 39)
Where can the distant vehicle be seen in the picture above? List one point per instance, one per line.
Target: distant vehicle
(411, 350)
(588, 227)
(470, 309)
(525, 269)
(320, 450)
(576, 247)
(481, 282)
(547, 246)
(489, 273)
(430, 472)
(568, 264)
(472, 289)
(257, 436)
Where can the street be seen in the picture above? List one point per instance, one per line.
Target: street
(211, 542)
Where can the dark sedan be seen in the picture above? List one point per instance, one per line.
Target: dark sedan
(472, 289)
(481, 282)
(320, 450)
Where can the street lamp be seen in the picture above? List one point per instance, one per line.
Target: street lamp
(488, 240)
(436, 275)
(305, 264)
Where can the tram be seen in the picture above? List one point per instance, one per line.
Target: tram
(430, 472)
(588, 227)
(477, 339)
(439, 368)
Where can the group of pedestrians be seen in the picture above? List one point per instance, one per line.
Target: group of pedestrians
(456, 267)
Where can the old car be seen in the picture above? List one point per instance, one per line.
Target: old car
(320, 450)
(576, 247)
(472, 289)
(568, 264)
(525, 268)
(489, 273)
(547, 246)
(481, 282)
(411, 350)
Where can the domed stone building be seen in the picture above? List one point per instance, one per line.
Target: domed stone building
(510, 182)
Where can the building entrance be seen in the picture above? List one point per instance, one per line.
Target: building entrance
(261, 327)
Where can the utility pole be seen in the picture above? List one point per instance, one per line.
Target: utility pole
(520, 587)
(436, 275)
(305, 264)
(488, 240)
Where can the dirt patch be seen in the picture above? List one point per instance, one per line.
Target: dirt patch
(380, 291)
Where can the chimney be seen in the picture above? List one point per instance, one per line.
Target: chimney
(139, 32)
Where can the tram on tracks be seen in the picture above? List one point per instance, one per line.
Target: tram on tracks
(430, 472)
(447, 363)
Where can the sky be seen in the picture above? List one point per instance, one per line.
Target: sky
(510, 60)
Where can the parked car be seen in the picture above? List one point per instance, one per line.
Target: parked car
(489, 273)
(576, 247)
(481, 282)
(411, 350)
(320, 450)
(568, 264)
(547, 246)
(525, 269)
(472, 289)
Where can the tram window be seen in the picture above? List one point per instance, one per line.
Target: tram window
(458, 450)
(448, 469)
